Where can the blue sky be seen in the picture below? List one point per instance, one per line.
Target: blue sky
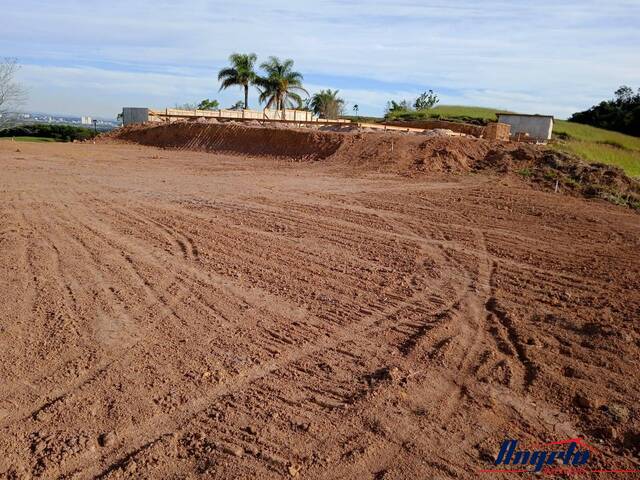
(92, 58)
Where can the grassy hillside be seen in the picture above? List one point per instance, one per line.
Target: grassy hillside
(590, 143)
(588, 133)
(459, 111)
(598, 145)
(449, 112)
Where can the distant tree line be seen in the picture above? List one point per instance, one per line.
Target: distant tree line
(62, 133)
(621, 114)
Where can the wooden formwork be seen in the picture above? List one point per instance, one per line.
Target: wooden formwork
(497, 131)
(281, 116)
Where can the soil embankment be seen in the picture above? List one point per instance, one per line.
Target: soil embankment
(407, 154)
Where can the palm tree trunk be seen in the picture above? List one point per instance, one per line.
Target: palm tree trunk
(246, 97)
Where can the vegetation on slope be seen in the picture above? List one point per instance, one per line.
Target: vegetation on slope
(61, 133)
(621, 114)
(598, 145)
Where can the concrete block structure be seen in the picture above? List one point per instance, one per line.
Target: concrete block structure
(537, 127)
(134, 115)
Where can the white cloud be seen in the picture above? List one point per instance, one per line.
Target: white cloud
(542, 56)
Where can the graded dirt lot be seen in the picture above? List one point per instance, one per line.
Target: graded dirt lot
(174, 314)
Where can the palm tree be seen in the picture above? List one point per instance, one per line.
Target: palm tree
(282, 86)
(240, 73)
(327, 104)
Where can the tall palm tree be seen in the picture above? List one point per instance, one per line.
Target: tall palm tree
(240, 73)
(327, 104)
(281, 87)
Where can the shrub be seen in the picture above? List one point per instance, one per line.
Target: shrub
(62, 133)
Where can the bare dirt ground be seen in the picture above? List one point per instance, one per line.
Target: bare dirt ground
(170, 314)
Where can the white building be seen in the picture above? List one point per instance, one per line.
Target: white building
(86, 120)
(539, 127)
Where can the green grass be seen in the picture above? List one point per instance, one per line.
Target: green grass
(459, 111)
(29, 139)
(593, 152)
(587, 133)
(597, 145)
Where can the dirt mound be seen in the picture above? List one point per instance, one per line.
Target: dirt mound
(396, 152)
(386, 151)
(235, 138)
(550, 169)
(409, 154)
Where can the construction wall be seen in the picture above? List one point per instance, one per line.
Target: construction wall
(291, 115)
(171, 114)
(538, 127)
(466, 128)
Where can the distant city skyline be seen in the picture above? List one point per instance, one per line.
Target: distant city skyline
(532, 57)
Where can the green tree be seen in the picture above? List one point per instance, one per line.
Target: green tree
(281, 87)
(240, 73)
(327, 104)
(426, 101)
(621, 114)
(398, 107)
(207, 104)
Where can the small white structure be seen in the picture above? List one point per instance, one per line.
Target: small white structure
(134, 115)
(85, 120)
(538, 127)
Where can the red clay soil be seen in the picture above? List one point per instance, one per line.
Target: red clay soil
(390, 151)
(406, 154)
(177, 314)
(231, 137)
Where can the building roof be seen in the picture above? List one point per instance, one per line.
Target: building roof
(524, 115)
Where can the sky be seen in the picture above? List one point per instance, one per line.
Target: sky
(549, 57)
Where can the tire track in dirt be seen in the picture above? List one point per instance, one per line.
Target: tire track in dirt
(193, 407)
(123, 340)
(152, 442)
(369, 335)
(165, 424)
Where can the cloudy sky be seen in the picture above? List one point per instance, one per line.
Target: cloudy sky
(92, 58)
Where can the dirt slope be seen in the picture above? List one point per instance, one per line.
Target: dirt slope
(176, 314)
(406, 154)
